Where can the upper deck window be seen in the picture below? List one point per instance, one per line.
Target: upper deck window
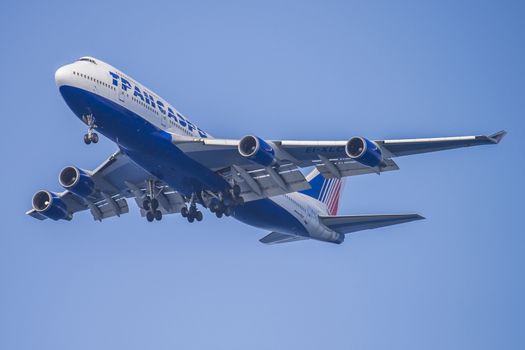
(87, 59)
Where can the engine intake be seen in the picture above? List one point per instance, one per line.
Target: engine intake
(364, 151)
(50, 205)
(257, 150)
(76, 181)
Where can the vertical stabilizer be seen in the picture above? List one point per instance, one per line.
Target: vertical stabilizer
(327, 191)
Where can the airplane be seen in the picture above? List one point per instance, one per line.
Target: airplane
(169, 165)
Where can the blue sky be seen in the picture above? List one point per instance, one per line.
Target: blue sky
(279, 69)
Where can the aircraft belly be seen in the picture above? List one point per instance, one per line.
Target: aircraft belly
(268, 215)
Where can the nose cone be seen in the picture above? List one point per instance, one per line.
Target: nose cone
(62, 75)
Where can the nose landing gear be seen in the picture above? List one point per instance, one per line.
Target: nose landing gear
(91, 136)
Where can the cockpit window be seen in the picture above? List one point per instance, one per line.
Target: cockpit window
(87, 59)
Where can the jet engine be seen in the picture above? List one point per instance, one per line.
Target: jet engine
(364, 151)
(50, 205)
(76, 181)
(257, 150)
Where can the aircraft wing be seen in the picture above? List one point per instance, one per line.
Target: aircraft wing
(220, 153)
(330, 158)
(116, 180)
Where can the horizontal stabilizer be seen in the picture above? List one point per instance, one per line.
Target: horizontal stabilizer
(276, 237)
(405, 147)
(353, 223)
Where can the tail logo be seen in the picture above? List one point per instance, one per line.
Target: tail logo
(330, 193)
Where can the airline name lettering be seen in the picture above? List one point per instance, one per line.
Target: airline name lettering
(147, 98)
(324, 149)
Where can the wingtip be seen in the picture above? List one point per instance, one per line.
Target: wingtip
(497, 137)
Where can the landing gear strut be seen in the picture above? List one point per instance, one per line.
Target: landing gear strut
(91, 136)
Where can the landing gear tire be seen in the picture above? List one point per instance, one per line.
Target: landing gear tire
(158, 215)
(184, 212)
(218, 214)
(154, 204)
(87, 139)
(191, 219)
(94, 137)
(198, 216)
(146, 204)
(149, 216)
(236, 189)
(228, 211)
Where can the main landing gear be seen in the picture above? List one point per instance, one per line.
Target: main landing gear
(220, 209)
(91, 136)
(223, 206)
(192, 213)
(151, 204)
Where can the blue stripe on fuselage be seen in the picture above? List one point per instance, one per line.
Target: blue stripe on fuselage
(144, 143)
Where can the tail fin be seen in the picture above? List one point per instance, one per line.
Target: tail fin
(324, 190)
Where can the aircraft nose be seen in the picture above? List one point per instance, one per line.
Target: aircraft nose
(61, 75)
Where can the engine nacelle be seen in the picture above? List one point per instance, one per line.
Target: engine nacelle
(257, 150)
(364, 151)
(76, 181)
(50, 205)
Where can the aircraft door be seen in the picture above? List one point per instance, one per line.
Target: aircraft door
(162, 116)
(121, 95)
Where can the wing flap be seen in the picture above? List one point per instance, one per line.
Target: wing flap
(346, 168)
(267, 182)
(353, 223)
(109, 208)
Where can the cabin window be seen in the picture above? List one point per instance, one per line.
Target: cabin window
(88, 60)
